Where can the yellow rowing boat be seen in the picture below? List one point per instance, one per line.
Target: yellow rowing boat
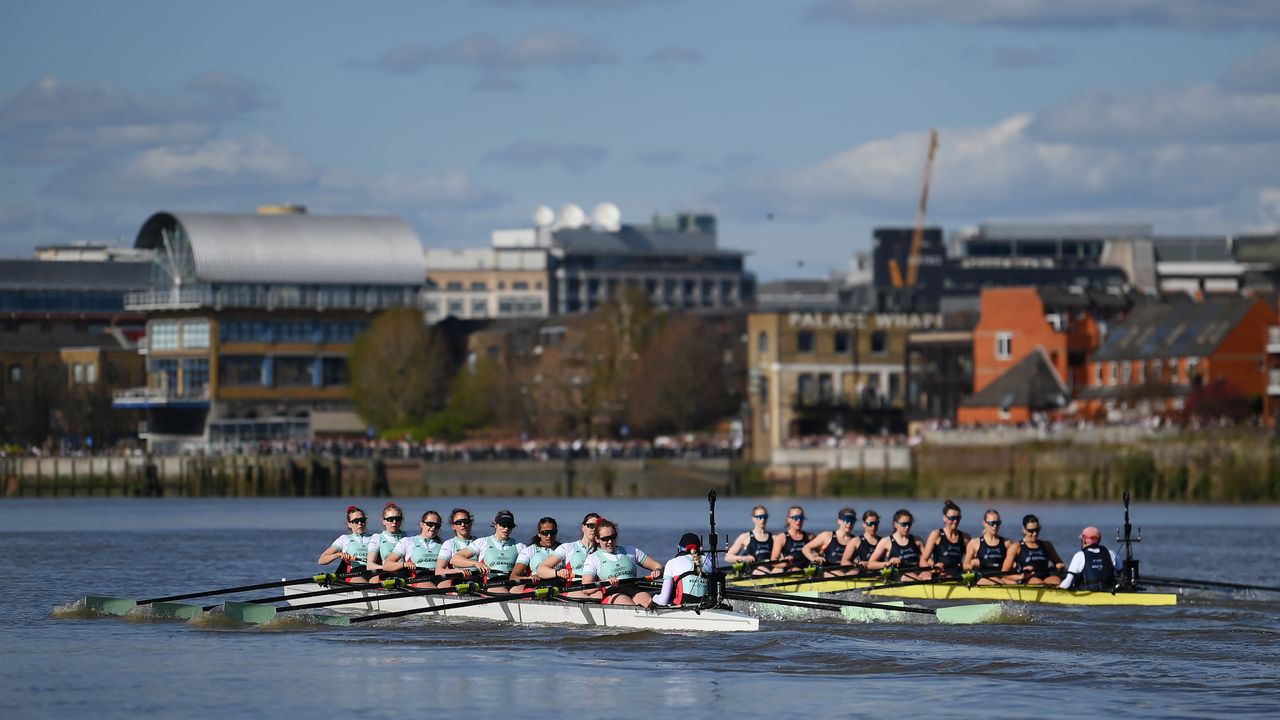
(960, 591)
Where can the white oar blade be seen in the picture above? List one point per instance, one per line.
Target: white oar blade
(109, 605)
(178, 611)
(970, 614)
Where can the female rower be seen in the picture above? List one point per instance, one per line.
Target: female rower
(754, 545)
(789, 544)
(543, 543)
(495, 554)
(828, 547)
(858, 552)
(1038, 560)
(901, 550)
(684, 577)
(460, 519)
(945, 546)
(352, 548)
(613, 563)
(384, 543)
(565, 562)
(418, 554)
(987, 552)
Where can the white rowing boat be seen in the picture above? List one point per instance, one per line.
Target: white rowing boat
(559, 612)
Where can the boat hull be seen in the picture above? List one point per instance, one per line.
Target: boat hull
(984, 593)
(557, 612)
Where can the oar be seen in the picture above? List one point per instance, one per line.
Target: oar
(166, 605)
(1173, 582)
(812, 573)
(955, 615)
(969, 577)
(253, 612)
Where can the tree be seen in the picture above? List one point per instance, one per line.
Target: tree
(1216, 400)
(400, 370)
(683, 380)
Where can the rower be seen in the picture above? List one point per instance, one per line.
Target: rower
(1093, 567)
(987, 552)
(1038, 560)
(542, 544)
(945, 546)
(565, 562)
(828, 547)
(352, 548)
(684, 577)
(417, 555)
(383, 543)
(859, 551)
(755, 545)
(901, 550)
(613, 563)
(496, 553)
(461, 520)
(789, 544)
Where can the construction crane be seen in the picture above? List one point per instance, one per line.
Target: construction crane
(917, 237)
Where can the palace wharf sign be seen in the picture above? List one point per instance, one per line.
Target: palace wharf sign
(864, 321)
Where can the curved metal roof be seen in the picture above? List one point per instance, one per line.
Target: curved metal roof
(301, 249)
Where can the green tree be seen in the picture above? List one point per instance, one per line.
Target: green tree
(682, 381)
(400, 370)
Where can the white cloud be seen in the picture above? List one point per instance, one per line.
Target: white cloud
(1182, 14)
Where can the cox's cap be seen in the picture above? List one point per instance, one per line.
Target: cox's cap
(1091, 533)
(690, 542)
(505, 518)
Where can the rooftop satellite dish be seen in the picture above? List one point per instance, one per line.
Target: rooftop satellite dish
(543, 216)
(571, 216)
(607, 216)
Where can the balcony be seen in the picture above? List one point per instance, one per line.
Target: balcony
(1273, 381)
(368, 299)
(1273, 340)
(145, 398)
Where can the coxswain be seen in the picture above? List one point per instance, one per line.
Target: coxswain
(789, 544)
(613, 563)
(755, 545)
(565, 562)
(417, 555)
(859, 551)
(495, 554)
(828, 547)
(383, 543)
(352, 549)
(1093, 567)
(460, 519)
(685, 577)
(986, 553)
(1037, 559)
(542, 544)
(944, 548)
(901, 550)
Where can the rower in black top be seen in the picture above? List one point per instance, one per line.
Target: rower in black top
(865, 544)
(789, 544)
(829, 546)
(986, 553)
(755, 545)
(945, 546)
(901, 550)
(1036, 558)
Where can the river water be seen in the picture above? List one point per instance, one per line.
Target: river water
(1214, 655)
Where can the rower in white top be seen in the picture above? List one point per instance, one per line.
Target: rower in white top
(460, 520)
(495, 554)
(415, 557)
(565, 562)
(614, 563)
(382, 544)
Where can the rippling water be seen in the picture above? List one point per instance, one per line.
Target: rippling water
(1215, 654)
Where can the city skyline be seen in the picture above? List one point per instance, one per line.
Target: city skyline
(802, 125)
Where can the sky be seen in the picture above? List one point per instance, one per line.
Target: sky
(803, 125)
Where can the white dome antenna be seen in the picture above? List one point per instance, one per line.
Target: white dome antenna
(607, 217)
(571, 216)
(543, 216)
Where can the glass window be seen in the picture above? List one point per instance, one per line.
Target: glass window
(804, 387)
(293, 371)
(1097, 374)
(164, 374)
(477, 285)
(453, 285)
(240, 370)
(478, 308)
(195, 376)
(334, 371)
(1004, 345)
(163, 334)
(15, 373)
(842, 342)
(804, 342)
(77, 373)
(762, 342)
(879, 343)
(825, 393)
(764, 390)
(520, 285)
(91, 373)
(455, 308)
(195, 334)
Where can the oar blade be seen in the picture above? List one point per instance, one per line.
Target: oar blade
(873, 615)
(970, 614)
(252, 613)
(177, 611)
(109, 605)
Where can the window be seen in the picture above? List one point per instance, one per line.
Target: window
(91, 373)
(333, 371)
(1097, 374)
(163, 335)
(478, 285)
(1126, 372)
(77, 373)
(1004, 345)
(762, 342)
(804, 342)
(895, 386)
(842, 342)
(240, 370)
(293, 371)
(453, 285)
(1114, 372)
(519, 285)
(804, 387)
(880, 343)
(195, 376)
(164, 374)
(15, 373)
(764, 391)
(478, 308)
(455, 308)
(195, 334)
(824, 388)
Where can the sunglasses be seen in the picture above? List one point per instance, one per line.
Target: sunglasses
(851, 519)
(461, 522)
(434, 525)
(953, 518)
(994, 523)
(505, 524)
(761, 517)
(590, 525)
(607, 538)
(871, 523)
(905, 524)
(1032, 531)
(547, 533)
(797, 518)
(357, 521)
(393, 518)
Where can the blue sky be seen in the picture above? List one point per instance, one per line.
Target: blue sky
(802, 124)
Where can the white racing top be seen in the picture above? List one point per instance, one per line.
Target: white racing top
(675, 567)
(592, 564)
